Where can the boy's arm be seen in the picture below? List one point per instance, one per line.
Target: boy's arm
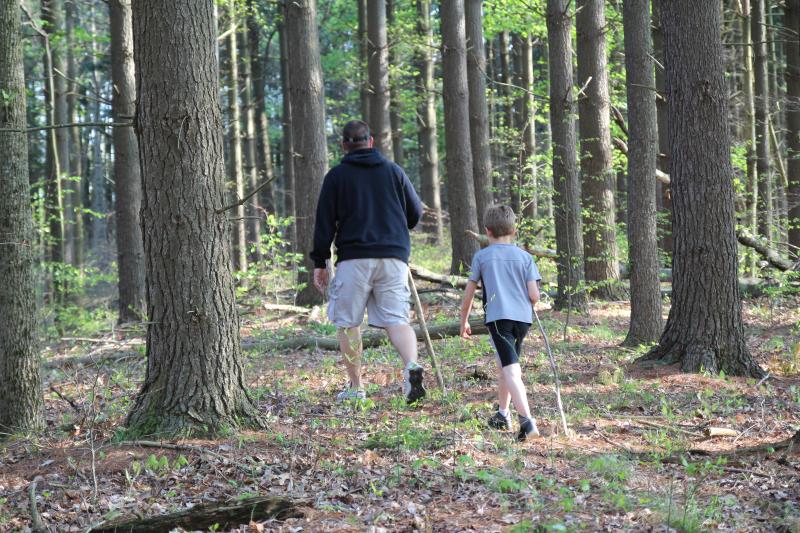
(466, 306)
(533, 291)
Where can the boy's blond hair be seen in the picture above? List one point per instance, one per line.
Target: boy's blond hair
(500, 220)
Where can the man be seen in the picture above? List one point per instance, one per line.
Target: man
(368, 204)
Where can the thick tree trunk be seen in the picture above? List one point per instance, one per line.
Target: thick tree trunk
(308, 129)
(792, 75)
(287, 141)
(263, 148)
(127, 173)
(460, 185)
(751, 203)
(478, 108)
(566, 185)
(236, 155)
(426, 120)
(363, 80)
(395, 104)
(21, 392)
(704, 329)
(195, 380)
(378, 61)
(646, 324)
(664, 195)
(598, 180)
(252, 207)
(763, 167)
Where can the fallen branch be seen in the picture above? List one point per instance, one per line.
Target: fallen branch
(67, 399)
(370, 339)
(425, 333)
(288, 308)
(223, 516)
(92, 359)
(772, 257)
(537, 252)
(70, 125)
(457, 282)
(622, 146)
(37, 526)
(789, 444)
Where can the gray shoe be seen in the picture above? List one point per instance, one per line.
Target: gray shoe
(350, 393)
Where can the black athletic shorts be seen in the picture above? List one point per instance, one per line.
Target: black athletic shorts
(508, 336)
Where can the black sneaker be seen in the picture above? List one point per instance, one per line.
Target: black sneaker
(413, 389)
(527, 428)
(498, 421)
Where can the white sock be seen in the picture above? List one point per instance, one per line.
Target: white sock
(505, 412)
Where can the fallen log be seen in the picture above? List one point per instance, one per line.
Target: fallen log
(370, 339)
(537, 252)
(223, 516)
(770, 255)
(287, 308)
(457, 282)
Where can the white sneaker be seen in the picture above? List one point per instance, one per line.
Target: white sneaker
(349, 393)
(413, 389)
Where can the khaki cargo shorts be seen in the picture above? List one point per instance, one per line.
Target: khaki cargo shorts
(380, 285)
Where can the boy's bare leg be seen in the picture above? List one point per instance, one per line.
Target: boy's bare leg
(404, 341)
(513, 381)
(350, 345)
(503, 395)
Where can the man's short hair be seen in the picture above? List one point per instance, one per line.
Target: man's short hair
(355, 134)
(500, 220)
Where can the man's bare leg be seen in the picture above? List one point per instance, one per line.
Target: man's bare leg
(351, 347)
(404, 341)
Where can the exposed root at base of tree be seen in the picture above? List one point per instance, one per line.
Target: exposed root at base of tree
(203, 517)
(696, 357)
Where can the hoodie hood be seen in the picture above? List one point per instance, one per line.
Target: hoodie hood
(367, 157)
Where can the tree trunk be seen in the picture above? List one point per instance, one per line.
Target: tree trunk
(763, 166)
(74, 135)
(478, 108)
(663, 193)
(252, 207)
(195, 380)
(509, 186)
(308, 129)
(99, 204)
(426, 120)
(458, 163)
(566, 186)
(237, 179)
(287, 142)
(529, 171)
(127, 174)
(263, 148)
(378, 63)
(792, 74)
(21, 393)
(362, 59)
(395, 104)
(751, 203)
(645, 324)
(598, 180)
(704, 329)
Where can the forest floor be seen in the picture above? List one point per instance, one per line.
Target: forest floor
(640, 459)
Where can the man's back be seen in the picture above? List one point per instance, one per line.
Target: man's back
(369, 204)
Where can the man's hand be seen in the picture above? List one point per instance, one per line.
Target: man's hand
(321, 279)
(466, 330)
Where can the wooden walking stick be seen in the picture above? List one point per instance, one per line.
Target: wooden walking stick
(424, 328)
(555, 374)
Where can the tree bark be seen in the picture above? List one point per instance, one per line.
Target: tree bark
(395, 102)
(236, 154)
(426, 120)
(195, 381)
(704, 329)
(763, 167)
(127, 173)
(566, 186)
(252, 207)
(99, 204)
(378, 64)
(362, 59)
(598, 180)
(792, 75)
(264, 169)
(509, 187)
(529, 172)
(478, 108)
(73, 186)
(21, 392)
(751, 202)
(287, 141)
(460, 185)
(664, 195)
(645, 323)
(308, 129)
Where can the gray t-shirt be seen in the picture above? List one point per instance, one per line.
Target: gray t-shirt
(505, 270)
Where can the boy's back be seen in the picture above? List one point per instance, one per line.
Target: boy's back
(505, 270)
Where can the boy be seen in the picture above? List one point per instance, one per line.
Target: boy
(509, 277)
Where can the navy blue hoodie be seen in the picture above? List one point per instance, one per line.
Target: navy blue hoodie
(369, 204)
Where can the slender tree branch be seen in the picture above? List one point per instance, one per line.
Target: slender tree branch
(69, 125)
(243, 200)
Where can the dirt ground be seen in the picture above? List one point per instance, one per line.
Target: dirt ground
(641, 457)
